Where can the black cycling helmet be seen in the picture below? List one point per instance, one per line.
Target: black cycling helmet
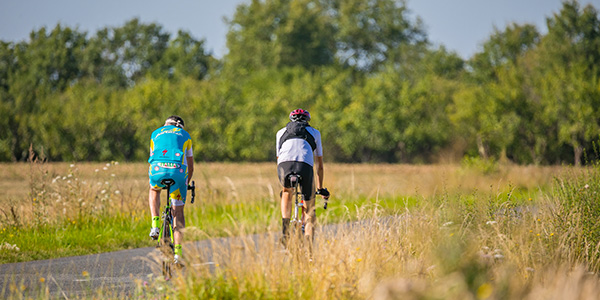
(175, 121)
(299, 115)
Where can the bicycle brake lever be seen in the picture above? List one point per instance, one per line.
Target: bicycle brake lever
(193, 188)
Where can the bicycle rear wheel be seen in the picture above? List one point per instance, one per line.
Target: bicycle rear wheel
(165, 243)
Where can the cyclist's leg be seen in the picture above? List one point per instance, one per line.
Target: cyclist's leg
(283, 170)
(155, 175)
(177, 198)
(309, 217)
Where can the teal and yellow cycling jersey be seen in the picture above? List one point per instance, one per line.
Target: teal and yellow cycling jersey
(170, 144)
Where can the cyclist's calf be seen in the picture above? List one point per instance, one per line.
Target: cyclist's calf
(178, 218)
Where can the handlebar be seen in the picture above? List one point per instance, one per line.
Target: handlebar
(325, 194)
(193, 188)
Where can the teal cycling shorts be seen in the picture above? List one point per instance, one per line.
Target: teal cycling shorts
(170, 170)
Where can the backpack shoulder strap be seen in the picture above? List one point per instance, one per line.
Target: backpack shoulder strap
(297, 130)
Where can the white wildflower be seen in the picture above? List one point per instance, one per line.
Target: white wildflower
(64, 178)
(96, 170)
(587, 186)
(112, 175)
(116, 162)
(103, 192)
(447, 224)
(9, 246)
(70, 175)
(117, 192)
(68, 181)
(108, 165)
(71, 165)
(490, 222)
(498, 256)
(105, 168)
(530, 269)
(106, 182)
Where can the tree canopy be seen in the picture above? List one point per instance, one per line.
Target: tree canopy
(378, 90)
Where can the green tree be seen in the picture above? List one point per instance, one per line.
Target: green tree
(185, 56)
(569, 60)
(280, 33)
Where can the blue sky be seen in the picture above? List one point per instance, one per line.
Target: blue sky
(460, 25)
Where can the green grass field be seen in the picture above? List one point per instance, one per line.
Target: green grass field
(456, 232)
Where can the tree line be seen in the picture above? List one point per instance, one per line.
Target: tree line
(378, 90)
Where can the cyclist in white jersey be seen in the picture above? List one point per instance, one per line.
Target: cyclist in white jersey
(299, 151)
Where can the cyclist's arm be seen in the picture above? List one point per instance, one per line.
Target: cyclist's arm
(190, 165)
(319, 167)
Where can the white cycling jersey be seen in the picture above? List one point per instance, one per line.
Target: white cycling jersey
(298, 149)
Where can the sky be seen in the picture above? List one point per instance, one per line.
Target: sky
(459, 25)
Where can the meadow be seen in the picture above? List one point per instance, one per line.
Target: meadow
(450, 231)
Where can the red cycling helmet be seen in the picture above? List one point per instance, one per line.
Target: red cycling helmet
(299, 115)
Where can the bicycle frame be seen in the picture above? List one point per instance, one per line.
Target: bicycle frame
(297, 215)
(166, 230)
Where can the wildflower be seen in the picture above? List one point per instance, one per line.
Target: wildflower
(106, 182)
(108, 165)
(85, 273)
(529, 269)
(539, 220)
(552, 234)
(42, 279)
(105, 168)
(587, 186)
(70, 175)
(64, 178)
(358, 259)
(117, 192)
(103, 192)
(112, 175)
(498, 256)
(96, 170)
(447, 224)
(484, 291)
(530, 199)
(490, 222)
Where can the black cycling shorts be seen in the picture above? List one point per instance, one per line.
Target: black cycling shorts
(301, 168)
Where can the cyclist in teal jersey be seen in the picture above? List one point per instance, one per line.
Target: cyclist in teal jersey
(171, 156)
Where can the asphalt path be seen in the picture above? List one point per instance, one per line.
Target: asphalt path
(119, 272)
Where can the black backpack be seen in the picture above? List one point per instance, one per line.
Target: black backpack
(297, 130)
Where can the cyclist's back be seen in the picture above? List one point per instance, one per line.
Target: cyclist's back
(169, 144)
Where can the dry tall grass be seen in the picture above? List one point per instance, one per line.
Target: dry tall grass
(61, 187)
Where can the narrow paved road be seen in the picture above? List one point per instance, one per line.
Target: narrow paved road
(114, 271)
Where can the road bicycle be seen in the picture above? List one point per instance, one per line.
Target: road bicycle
(297, 227)
(165, 237)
